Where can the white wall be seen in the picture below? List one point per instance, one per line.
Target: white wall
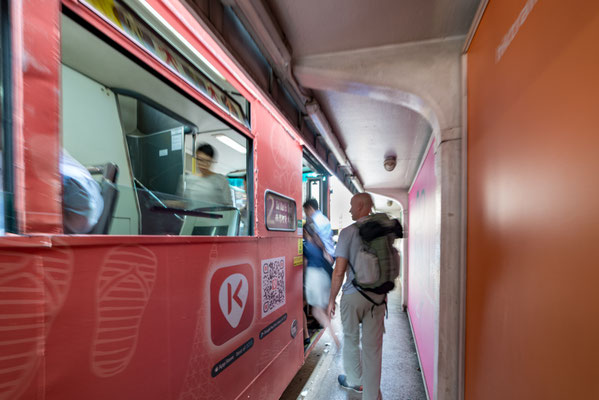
(92, 133)
(340, 197)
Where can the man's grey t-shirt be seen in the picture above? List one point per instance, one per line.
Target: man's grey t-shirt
(348, 246)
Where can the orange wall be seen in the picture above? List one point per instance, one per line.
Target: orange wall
(532, 325)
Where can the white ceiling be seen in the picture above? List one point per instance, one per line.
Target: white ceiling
(362, 49)
(326, 26)
(387, 129)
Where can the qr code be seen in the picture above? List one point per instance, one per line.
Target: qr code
(273, 284)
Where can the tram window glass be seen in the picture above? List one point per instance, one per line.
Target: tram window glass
(116, 113)
(2, 21)
(6, 212)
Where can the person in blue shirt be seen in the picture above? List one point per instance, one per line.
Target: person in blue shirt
(318, 271)
(321, 225)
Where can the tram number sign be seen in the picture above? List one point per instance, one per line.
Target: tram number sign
(281, 212)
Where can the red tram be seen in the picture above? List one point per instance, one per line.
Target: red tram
(158, 302)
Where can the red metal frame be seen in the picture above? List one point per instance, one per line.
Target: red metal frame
(111, 32)
(36, 68)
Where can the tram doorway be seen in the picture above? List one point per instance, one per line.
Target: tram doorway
(315, 184)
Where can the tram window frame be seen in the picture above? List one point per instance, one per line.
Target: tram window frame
(189, 99)
(142, 19)
(8, 221)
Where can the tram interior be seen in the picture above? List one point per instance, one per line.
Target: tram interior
(139, 135)
(314, 185)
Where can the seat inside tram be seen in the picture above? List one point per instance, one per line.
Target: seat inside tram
(117, 112)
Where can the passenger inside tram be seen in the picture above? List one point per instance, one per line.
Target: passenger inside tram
(82, 202)
(209, 186)
(206, 190)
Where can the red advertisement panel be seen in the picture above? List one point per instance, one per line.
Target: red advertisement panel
(149, 321)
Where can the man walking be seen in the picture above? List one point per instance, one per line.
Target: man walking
(363, 368)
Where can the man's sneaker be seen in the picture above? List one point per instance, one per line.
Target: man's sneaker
(343, 382)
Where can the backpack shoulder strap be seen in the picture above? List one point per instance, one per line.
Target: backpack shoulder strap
(348, 262)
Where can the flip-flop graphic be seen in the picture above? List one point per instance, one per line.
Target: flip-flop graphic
(125, 283)
(33, 289)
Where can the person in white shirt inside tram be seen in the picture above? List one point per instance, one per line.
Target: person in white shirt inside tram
(82, 202)
(205, 188)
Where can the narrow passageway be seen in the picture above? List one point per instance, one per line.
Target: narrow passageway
(401, 377)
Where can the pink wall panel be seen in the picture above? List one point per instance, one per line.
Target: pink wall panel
(423, 278)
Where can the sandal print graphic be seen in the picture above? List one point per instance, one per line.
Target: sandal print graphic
(125, 284)
(32, 291)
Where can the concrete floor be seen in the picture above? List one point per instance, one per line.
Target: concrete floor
(401, 378)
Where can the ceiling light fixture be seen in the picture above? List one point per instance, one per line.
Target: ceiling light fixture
(390, 162)
(230, 142)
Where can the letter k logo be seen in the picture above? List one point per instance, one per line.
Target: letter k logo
(231, 302)
(235, 296)
(232, 298)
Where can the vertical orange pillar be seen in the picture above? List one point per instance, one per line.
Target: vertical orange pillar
(532, 326)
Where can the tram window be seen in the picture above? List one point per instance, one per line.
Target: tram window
(7, 221)
(116, 114)
(2, 58)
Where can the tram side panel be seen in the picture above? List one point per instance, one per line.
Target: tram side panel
(160, 318)
(152, 321)
(278, 166)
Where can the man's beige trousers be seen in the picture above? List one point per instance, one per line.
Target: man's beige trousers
(363, 368)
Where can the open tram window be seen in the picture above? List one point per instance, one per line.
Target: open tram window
(120, 118)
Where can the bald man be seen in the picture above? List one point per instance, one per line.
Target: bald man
(363, 369)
